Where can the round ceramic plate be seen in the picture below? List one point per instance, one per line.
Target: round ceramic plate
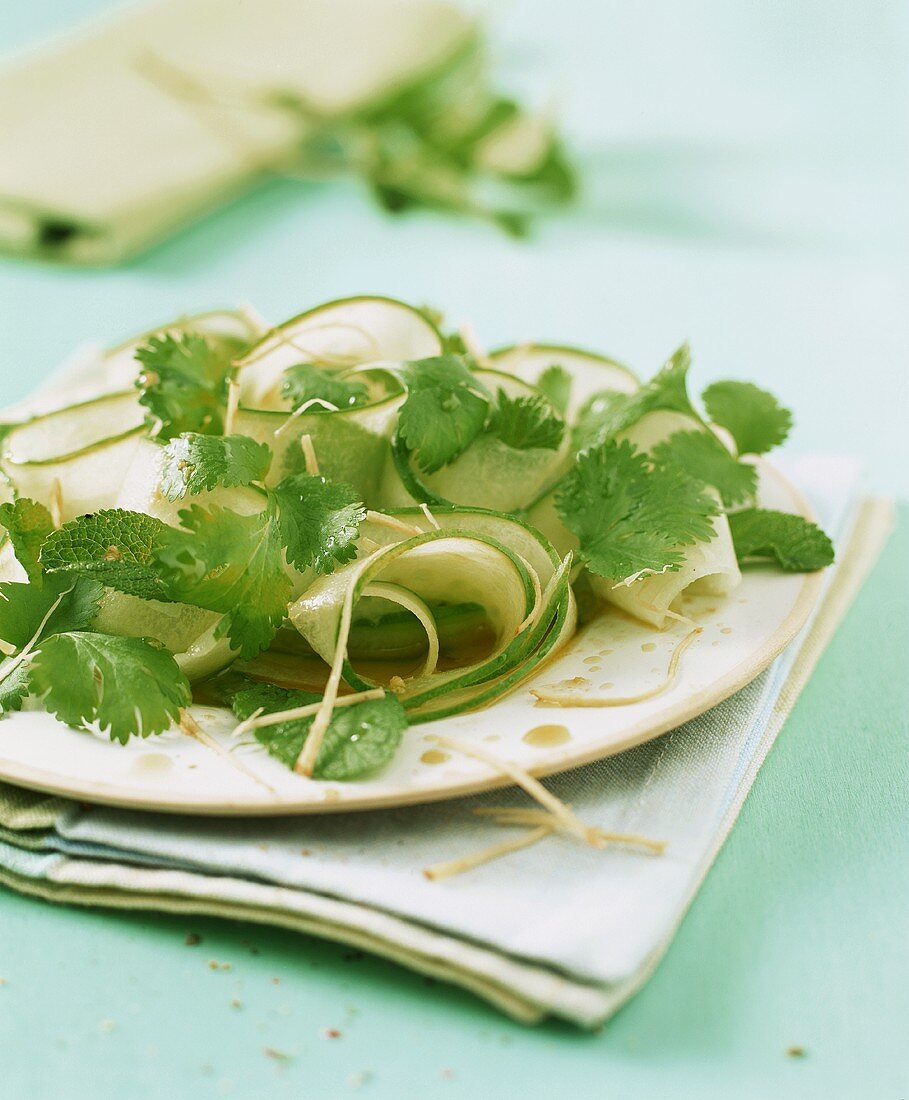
(614, 655)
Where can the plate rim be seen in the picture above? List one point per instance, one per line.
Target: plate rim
(687, 708)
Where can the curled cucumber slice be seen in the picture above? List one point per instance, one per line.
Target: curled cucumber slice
(350, 445)
(230, 330)
(341, 334)
(590, 372)
(489, 474)
(477, 558)
(68, 432)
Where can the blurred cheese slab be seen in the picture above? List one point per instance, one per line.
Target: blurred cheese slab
(107, 144)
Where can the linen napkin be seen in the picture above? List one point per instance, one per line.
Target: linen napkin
(113, 137)
(556, 929)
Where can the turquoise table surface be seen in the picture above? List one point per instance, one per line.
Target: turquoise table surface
(746, 170)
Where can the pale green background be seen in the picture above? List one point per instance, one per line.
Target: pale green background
(747, 185)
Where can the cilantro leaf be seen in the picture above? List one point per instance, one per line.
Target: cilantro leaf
(319, 521)
(113, 545)
(792, 541)
(452, 342)
(229, 563)
(14, 689)
(630, 515)
(129, 686)
(607, 413)
(527, 422)
(183, 384)
(305, 381)
(555, 383)
(24, 606)
(359, 740)
(702, 456)
(754, 417)
(28, 525)
(194, 463)
(444, 412)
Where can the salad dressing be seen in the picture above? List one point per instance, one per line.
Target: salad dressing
(547, 736)
(434, 756)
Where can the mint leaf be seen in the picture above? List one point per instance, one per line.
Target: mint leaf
(444, 412)
(754, 417)
(269, 698)
(631, 515)
(792, 541)
(555, 383)
(128, 686)
(233, 564)
(702, 456)
(305, 381)
(28, 524)
(195, 463)
(24, 606)
(319, 521)
(526, 422)
(359, 740)
(183, 384)
(114, 546)
(607, 413)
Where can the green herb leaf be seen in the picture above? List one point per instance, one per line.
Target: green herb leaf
(527, 422)
(792, 541)
(14, 689)
(233, 564)
(28, 525)
(754, 417)
(319, 521)
(128, 686)
(608, 413)
(359, 740)
(555, 383)
(630, 515)
(115, 546)
(269, 698)
(702, 456)
(195, 463)
(183, 384)
(444, 412)
(23, 608)
(306, 381)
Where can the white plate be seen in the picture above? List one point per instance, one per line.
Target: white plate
(173, 773)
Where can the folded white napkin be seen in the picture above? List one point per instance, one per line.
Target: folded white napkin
(555, 929)
(113, 137)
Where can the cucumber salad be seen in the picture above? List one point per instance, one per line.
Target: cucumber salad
(357, 521)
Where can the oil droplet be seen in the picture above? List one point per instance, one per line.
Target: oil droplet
(607, 686)
(574, 682)
(648, 647)
(591, 660)
(153, 762)
(596, 668)
(547, 736)
(726, 630)
(434, 756)
(606, 652)
(332, 795)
